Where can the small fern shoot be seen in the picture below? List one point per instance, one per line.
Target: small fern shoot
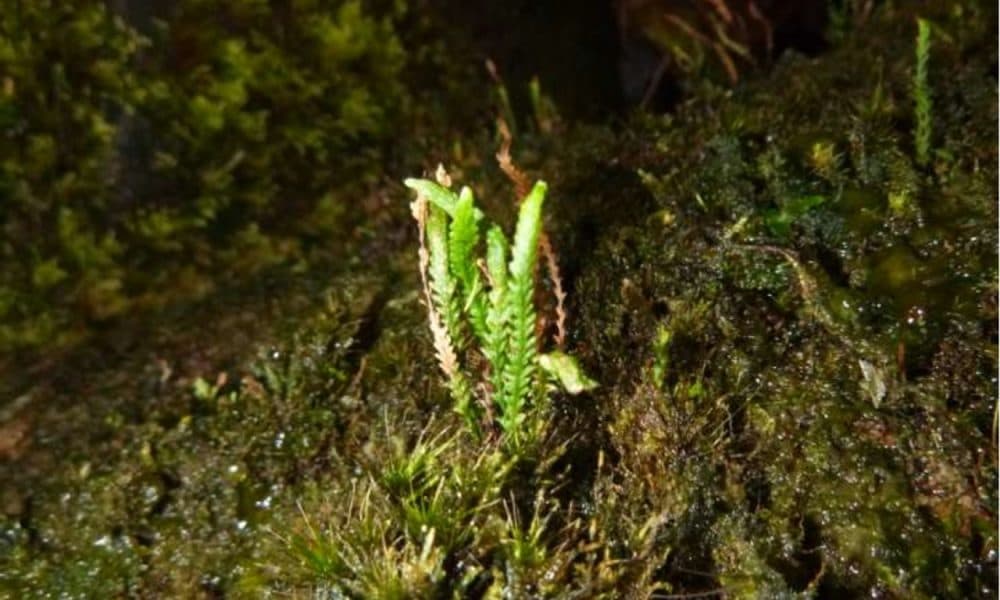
(496, 308)
(497, 340)
(439, 291)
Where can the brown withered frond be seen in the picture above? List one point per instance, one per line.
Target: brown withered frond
(522, 185)
(552, 265)
(444, 350)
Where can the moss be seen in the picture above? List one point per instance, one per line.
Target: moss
(181, 475)
(816, 424)
(792, 316)
(218, 143)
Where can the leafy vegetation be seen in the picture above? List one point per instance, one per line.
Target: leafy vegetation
(66, 69)
(500, 313)
(794, 257)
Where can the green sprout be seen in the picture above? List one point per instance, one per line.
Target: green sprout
(661, 355)
(922, 94)
(486, 306)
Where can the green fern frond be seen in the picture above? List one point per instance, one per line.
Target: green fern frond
(443, 285)
(440, 196)
(462, 241)
(495, 347)
(520, 368)
(497, 251)
(443, 288)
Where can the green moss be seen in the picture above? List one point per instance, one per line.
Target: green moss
(210, 146)
(817, 422)
(173, 480)
(788, 315)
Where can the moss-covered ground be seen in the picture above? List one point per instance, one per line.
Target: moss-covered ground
(793, 323)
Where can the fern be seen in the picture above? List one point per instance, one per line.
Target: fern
(443, 283)
(440, 196)
(443, 289)
(520, 318)
(462, 242)
(499, 311)
(497, 337)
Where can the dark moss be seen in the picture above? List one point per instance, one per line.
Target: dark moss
(812, 328)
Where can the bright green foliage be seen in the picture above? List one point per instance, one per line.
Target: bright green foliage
(496, 344)
(923, 106)
(443, 284)
(463, 237)
(566, 370)
(760, 469)
(444, 294)
(500, 313)
(442, 197)
(519, 314)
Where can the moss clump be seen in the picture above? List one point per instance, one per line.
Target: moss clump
(808, 438)
(230, 140)
(66, 72)
(166, 482)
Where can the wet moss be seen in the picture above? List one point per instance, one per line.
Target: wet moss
(173, 491)
(792, 322)
(812, 330)
(222, 139)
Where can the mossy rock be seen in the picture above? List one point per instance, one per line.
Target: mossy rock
(817, 324)
(792, 323)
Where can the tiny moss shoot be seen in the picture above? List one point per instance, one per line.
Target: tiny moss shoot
(923, 105)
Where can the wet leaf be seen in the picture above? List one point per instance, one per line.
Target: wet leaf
(567, 371)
